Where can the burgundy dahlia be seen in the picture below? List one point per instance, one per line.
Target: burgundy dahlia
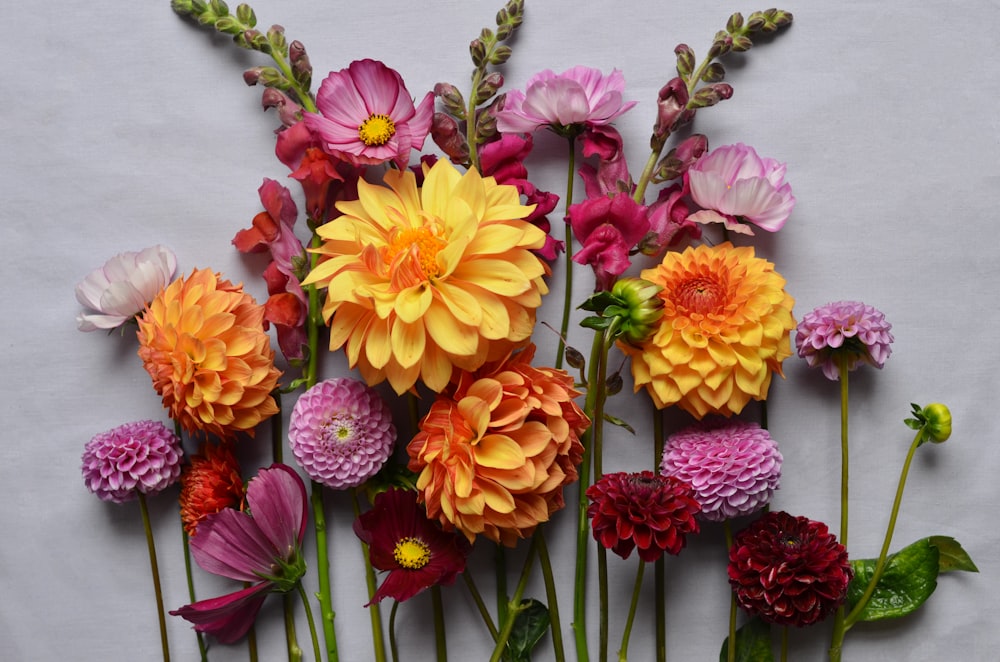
(642, 510)
(788, 570)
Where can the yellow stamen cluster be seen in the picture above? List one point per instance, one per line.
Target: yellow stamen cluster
(411, 553)
(377, 130)
(422, 243)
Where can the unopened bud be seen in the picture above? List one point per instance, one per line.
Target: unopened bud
(488, 87)
(685, 60)
(500, 55)
(478, 52)
(734, 23)
(289, 112)
(938, 422)
(720, 45)
(245, 14)
(640, 309)
(446, 135)
(574, 358)
(451, 99)
(711, 95)
(741, 43)
(713, 73)
(276, 38)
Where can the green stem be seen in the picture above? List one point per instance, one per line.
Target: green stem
(309, 618)
(252, 643)
(636, 590)
(480, 604)
(155, 571)
(731, 648)
(602, 594)
(277, 438)
(373, 610)
(839, 622)
(440, 639)
(327, 615)
(597, 425)
(784, 644)
(660, 566)
(393, 649)
(647, 175)
(568, 289)
(500, 573)
(550, 594)
(294, 652)
(515, 607)
(202, 651)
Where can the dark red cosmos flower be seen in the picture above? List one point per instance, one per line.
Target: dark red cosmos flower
(414, 550)
(644, 510)
(788, 570)
(209, 483)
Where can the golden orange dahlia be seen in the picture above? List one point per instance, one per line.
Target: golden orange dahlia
(209, 483)
(203, 343)
(421, 280)
(724, 331)
(494, 453)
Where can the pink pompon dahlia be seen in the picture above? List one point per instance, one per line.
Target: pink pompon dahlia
(118, 291)
(733, 466)
(367, 117)
(642, 510)
(788, 570)
(737, 187)
(848, 331)
(262, 547)
(578, 97)
(341, 432)
(135, 457)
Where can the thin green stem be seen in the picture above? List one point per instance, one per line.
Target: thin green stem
(393, 648)
(294, 651)
(839, 623)
(515, 607)
(636, 590)
(784, 644)
(500, 573)
(252, 643)
(155, 571)
(602, 594)
(277, 438)
(440, 638)
(480, 604)
(309, 617)
(202, 651)
(327, 615)
(568, 288)
(597, 425)
(727, 531)
(550, 594)
(660, 566)
(373, 611)
(647, 175)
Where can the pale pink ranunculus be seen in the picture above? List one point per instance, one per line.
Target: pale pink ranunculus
(580, 96)
(735, 186)
(120, 289)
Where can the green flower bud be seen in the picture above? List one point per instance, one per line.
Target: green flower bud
(640, 308)
(937, 422)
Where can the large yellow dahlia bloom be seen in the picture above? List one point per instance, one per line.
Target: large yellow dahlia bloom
(724, 331)
(203, 343)
(421, 280)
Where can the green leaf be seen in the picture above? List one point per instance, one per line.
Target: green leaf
(909, 578)
(530, 625)
(614, 420)
(753, 643)
(953, 557)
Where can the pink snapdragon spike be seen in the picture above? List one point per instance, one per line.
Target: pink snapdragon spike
(737, 187)
(577, 97)
(608, 229)
(263, 547)
(118, 291)
(366, 115)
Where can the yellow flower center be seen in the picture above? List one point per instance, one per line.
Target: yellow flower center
(411, 553)
(376, 130)
(420, 242)
(700, 295)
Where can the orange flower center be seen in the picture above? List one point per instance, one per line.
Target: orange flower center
(422, 244)
(376, 130)
(411, 553)
(700, 295)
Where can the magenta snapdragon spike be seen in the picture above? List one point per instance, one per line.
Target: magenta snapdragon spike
(844, 330)
(262, 546)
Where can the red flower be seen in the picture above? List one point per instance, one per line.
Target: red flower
(644, 510)
(608, 229)
(210, 483)
(788, 570)
(415, 551)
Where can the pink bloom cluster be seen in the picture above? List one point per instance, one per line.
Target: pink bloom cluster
(848, 331)
(135, 457)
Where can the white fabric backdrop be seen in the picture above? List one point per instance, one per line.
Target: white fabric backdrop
(125, 126)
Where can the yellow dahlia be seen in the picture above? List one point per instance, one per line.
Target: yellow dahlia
(724, 331)
(203, 343)
(493, 455)
(421, 280)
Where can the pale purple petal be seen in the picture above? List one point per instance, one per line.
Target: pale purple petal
(227, 617)
(122, 287)
(231, 544)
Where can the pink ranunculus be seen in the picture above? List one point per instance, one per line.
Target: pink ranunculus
(608, 229)
(735, 186)
(577, 97)
(119, 290)
(367, 117)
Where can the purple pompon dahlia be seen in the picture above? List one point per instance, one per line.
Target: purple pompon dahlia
(341, 432)
(848, 330)
(733, 466)
(135, 457)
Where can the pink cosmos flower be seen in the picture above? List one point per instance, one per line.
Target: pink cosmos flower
(120, 289)
(577, 97)
(366, 115)
(736, 187)
(263, 548)
(608, 229)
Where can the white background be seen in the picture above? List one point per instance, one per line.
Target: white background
(124, 126)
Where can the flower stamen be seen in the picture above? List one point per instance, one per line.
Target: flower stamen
(376, 130)
(411, 553)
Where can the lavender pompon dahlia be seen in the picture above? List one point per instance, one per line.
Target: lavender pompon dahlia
(135, 457)
(733, 466)
(843, 329)
(341, 432)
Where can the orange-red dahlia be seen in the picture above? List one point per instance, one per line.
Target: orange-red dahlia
(209, 483)
(203, 343)
(494, 454)
(724, 331)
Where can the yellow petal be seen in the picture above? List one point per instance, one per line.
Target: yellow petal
(407, 341)
(411, 304)
(499, 451)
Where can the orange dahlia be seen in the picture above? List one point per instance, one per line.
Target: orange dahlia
(493, 454)
(209, 483)
(724, 331)
(421, 280)
(203, 343)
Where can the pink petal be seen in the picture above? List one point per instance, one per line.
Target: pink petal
(277, 499)
(230, 543)
(227, 617)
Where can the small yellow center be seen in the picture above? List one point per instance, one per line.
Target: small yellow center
(376, 130)
(411, 553)
(420, 241)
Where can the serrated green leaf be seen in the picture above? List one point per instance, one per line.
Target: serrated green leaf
(614, 420)
(530, 625)
(909, 578)
(952, 556)
(753, 643)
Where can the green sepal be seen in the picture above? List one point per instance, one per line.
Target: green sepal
(753, 643)
(614, 420)
(952, 557)
(596, 323)
(530, 625)
(909, 578)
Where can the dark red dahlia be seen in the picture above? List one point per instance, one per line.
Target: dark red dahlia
(788, 570)
(644, 510)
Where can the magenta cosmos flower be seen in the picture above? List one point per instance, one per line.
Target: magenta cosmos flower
(135, 457)
(263, 548)
(366, 115)
(414, 550)
(341, 432)
(120, 289)
(844, 330)
(733, 466)
(577, 97)
(736, 187)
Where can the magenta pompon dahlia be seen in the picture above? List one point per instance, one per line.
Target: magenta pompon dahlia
(135, 457)
(733, 466)
(843, 330)
(341, 432)
(263, 548)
